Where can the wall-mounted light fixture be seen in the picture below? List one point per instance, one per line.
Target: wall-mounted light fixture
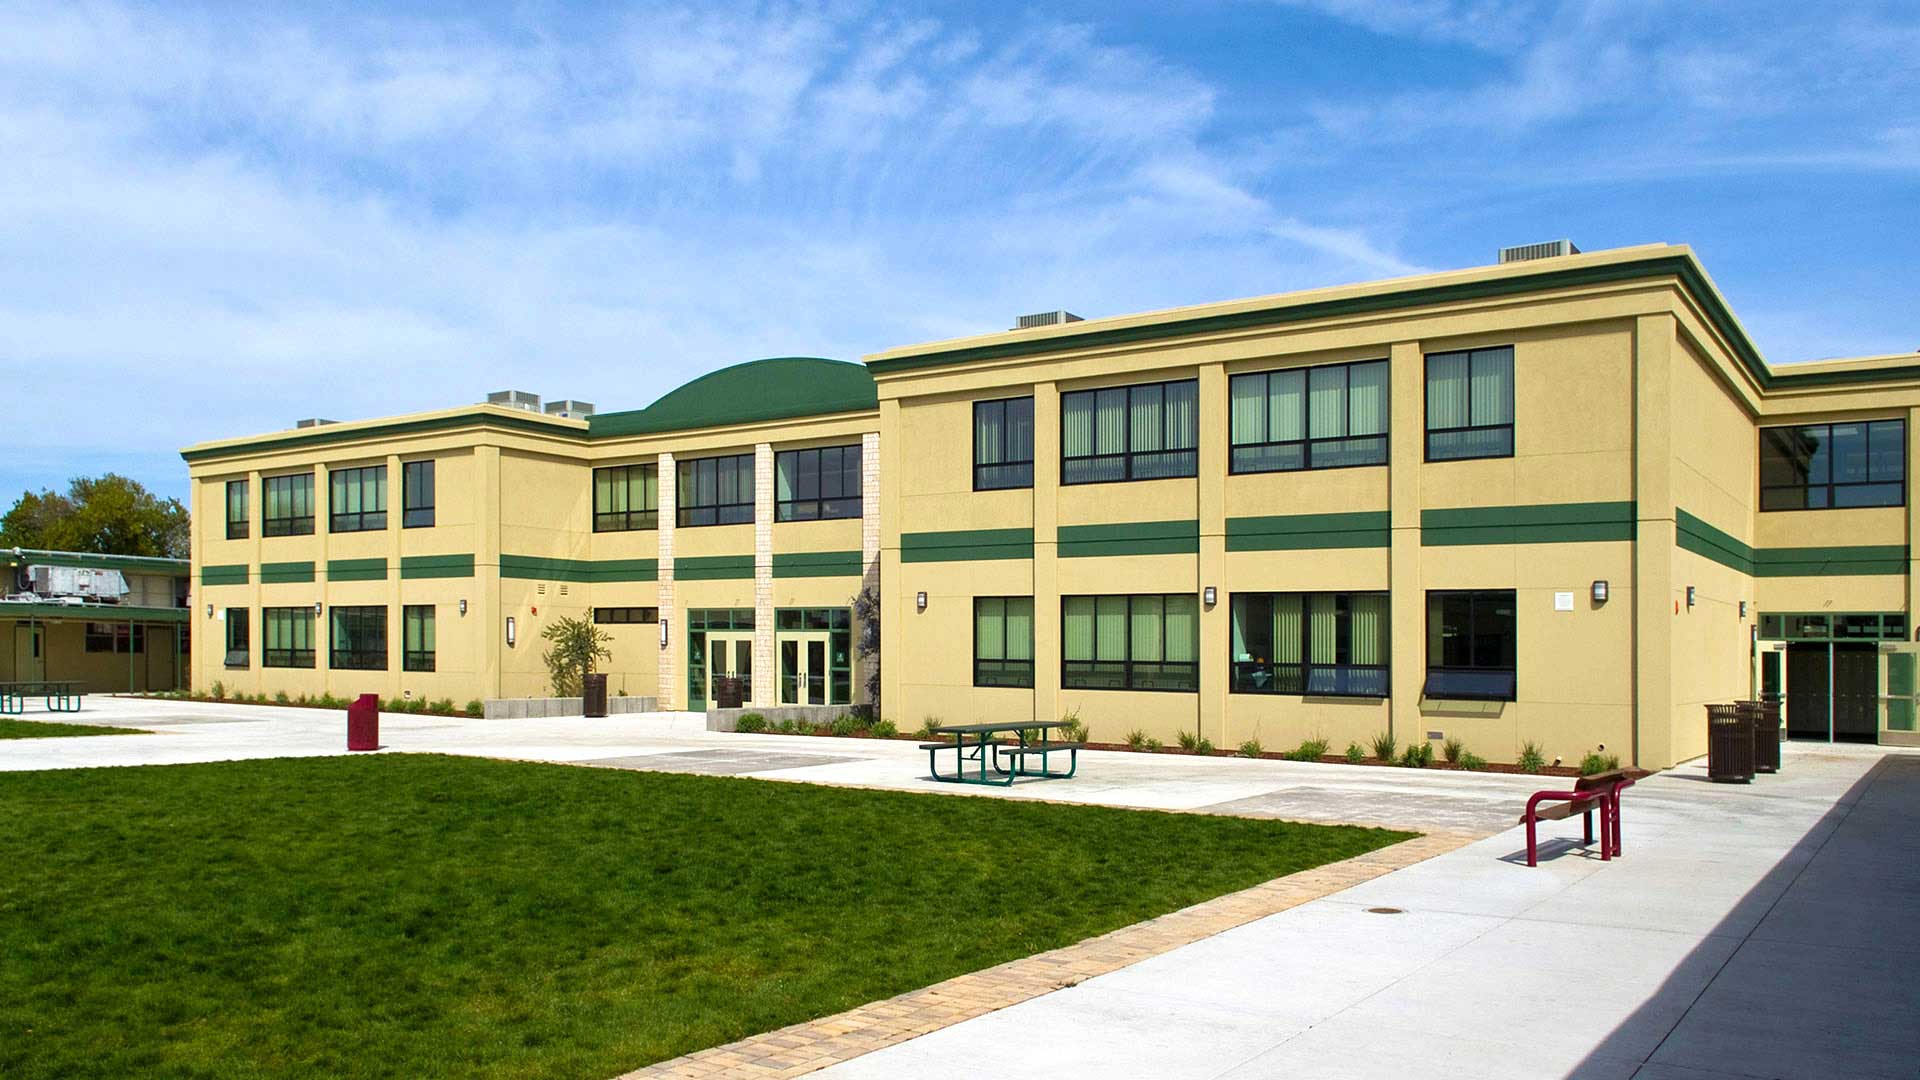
(665, 636)
(1209, 596)
(1743, 609)
(316, 609)
(463, 607)
(920, 601)
(209, 611)
(1600, 592)
(510, 635)
(1690, 596)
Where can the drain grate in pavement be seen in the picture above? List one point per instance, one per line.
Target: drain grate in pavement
(718, 762)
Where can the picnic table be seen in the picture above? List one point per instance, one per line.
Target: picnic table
(1032, 738)
(60, 695)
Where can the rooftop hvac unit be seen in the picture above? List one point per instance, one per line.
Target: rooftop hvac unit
(570, 408)
(312, 421)
(64, 581)
(1548, 250)
(1046, 318)
(515, 399)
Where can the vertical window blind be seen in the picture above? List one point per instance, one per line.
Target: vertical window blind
(1325, 417)
(1142, 432)
(1470, 404)
(1329, 644)
(1130, 642)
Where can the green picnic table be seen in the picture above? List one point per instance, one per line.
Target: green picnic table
(60, 695)
(977, 743)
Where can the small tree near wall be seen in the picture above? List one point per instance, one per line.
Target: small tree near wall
(866, 608)
(577, 643)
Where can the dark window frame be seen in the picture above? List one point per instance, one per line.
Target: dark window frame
(1307, 441)
(1129, 457)
(720, 513)
(412, 659)
(1003, 672)
(625, 616)
(984, 478)
(1510, 691)
(239, 528)
(1127, 672)
(117, 638)
(1513, 408)
(844, 506)
(361, 520)
(293, 656)
(361, 655)
(1830, 486)
(416, 508)
(239, 645)
(630, 519)
(289, 524)
(1341, 674)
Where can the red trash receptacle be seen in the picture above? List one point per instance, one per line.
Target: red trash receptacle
(363, 723)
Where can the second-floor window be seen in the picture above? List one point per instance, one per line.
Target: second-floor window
(287, 509)
(1003, 641)
(1003, 444)
(417, 631)
(716, 491)
(416, 494)
(622, 616)
(1326, 417)
(1145, 432)
(1329, 644)
(288, 642)
(359, 639)
(1470, 404)
(817, 484)
(357, 499)
(237, 510)
(1833, 466)
(626, 498)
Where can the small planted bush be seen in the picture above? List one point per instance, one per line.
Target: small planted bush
(1154, 745)
(476, 707)
(1531, 759)
(1417, 755)
(1075, 731)
(1189, 740)
(750, 724)
(885, 729)
(1384, 746)
(1136, 739)
(844, 725)
(1355, 754)
(1471, 761)
(1310, 750)
(1453, 748)
(444, 706)
(218, 690)
(1598, 763)
(1203, 745)
(1250, 748)
(280, 698)
(927, 724)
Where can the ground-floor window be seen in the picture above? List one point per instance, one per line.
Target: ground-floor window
(1471, 645)
(814, 647)
(1327, 644)
(1003, 641)
(238, 631)
(1130, 642)
(116, 638)
(417, 629)
(359, 639)
(289, 637)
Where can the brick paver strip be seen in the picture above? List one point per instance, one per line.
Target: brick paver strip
(816, 1044)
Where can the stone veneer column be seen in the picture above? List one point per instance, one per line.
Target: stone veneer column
(666, 502)
(764, 677)
(869, 550)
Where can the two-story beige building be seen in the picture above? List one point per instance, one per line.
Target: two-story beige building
(1560, 500)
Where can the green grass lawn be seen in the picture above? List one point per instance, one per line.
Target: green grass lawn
(422, 916)
(37, 729)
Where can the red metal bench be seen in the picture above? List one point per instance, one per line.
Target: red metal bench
(1600, 792)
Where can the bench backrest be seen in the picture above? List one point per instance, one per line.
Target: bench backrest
(1601, 780)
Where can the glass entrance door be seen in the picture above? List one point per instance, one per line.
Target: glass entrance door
(730, 656)
(803, 669)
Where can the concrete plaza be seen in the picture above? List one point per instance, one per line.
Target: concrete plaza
(1748, 931)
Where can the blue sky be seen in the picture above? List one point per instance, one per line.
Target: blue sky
(216, 220)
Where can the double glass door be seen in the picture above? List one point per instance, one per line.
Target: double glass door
(803, 668)
(730, 656)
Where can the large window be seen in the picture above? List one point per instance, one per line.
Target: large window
(1130, 642)
(1470, 404)
(239, 645)
(237, 511)
(1309, 418)
(626, 497)
(359, 639)
(1003, 641)
(416, 494)
(716, 491)
(357, 499)
(417, 631)
(288, 509)
(115, 638)
(813, 485)
(1003, 444)
(1325, 644)
(289, 637)
(620, 616)
(1833, 466)
(1143, 432)
(1470, 645)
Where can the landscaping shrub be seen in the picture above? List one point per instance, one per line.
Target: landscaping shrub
(750, 724)
(280, 698)
(885, 729)
(1531, 759)
(1154, 745)
(845, 725)
(1471, 761)
(1310, 750)
(219, 690)
(1203, 745)
(1189, 740)
(1417, 755)
(301, 700)
(1355, 755)
(444, 706)
(1075, 731)
(1384, 746)
(1136, 739)
(1453, 748)
(927, 724)
(1250, 748)
(1598, 763)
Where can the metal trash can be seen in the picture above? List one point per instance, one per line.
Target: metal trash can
(593, 697)
(1766, 738)
(1774, 733)
(363, 723)
(1729, 745)
(728, 692)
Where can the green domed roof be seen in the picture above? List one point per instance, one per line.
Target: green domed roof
(774, 389)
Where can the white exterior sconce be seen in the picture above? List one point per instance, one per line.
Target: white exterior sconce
(1210, 596)
(510, 634)
(664, 635)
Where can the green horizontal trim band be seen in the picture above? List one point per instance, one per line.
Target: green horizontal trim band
(817, 564)
(966, 545)
(150, 564)
(338, 433)
(1693, 534)
(1307, 532)
(626, 570)
(421, 567)
(1181, 537)
(533, 567)
(285, 573)
(109, 613)
(356, 569)
(713, 568)
(231, 574)
(1548, 523)
(1831, 561)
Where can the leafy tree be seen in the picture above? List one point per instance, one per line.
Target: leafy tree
(577, 643)
(107, 515)
(866, 608)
